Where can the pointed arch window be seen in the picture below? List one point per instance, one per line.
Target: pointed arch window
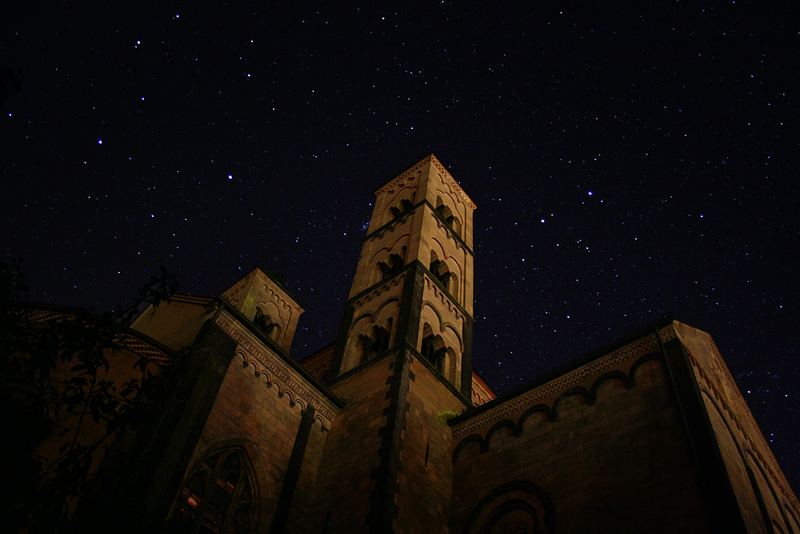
(218, 496)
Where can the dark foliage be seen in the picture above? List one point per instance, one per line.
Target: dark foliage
(61, 405)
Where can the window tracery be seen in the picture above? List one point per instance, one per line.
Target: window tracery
(217, 497)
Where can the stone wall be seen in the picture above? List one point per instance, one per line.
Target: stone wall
(426, 470)
(247, 413)
(766, 500)
(175, 322)
(481, 392)
(319, 363)
(259, 408)
(351, 450)
(609, 457)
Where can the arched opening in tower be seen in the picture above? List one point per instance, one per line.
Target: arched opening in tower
(395, 265)
(447, 216)
(440, 270)
(433, 348)
(405, 207)
(266, 324)
(376, 342)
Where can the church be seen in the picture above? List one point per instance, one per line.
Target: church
(389, 429)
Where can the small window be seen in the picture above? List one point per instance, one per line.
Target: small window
(455, 224)
(447, 216)
(453, 287)
(376, 342)
(217, 496)
(406, 206)
(394, 266)
(440, 270)
(265, 323)
(433, 348)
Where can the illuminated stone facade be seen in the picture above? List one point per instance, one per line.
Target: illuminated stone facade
(388, 429)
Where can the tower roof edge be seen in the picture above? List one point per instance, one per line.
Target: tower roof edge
(433, 160)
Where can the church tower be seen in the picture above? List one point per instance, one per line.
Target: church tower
(413, 285)
(402, 362)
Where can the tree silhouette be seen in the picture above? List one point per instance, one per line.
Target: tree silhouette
(67, 391)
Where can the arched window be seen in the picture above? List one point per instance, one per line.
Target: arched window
(376, 342)
(453, 285)
(455, 224)
(519, 507)
(433, 348)
(449, 366)
(217, 496)
(395, 265)
(265, 323)
(447, 216)
(514, 517)
(405, 207)
(440, 270)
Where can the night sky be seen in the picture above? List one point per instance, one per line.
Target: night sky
(627, 165)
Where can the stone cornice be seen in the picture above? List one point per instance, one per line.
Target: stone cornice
(378, 289)
(414, 172)
(714, 379)
(401, 180)
(272, 288)
(451, 182)
(289, 383)
(444, 297)
(381, 230)
(580, 380)
(443, 290)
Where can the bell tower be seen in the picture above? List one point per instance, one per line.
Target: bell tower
(402, 360)
(413, 285)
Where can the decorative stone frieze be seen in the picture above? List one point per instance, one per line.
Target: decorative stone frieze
(407, 177)
(450, 182)
(715, 380)
(582, 378)
(288, 382)
(379, 290)
(449, 232)
(444, 299)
